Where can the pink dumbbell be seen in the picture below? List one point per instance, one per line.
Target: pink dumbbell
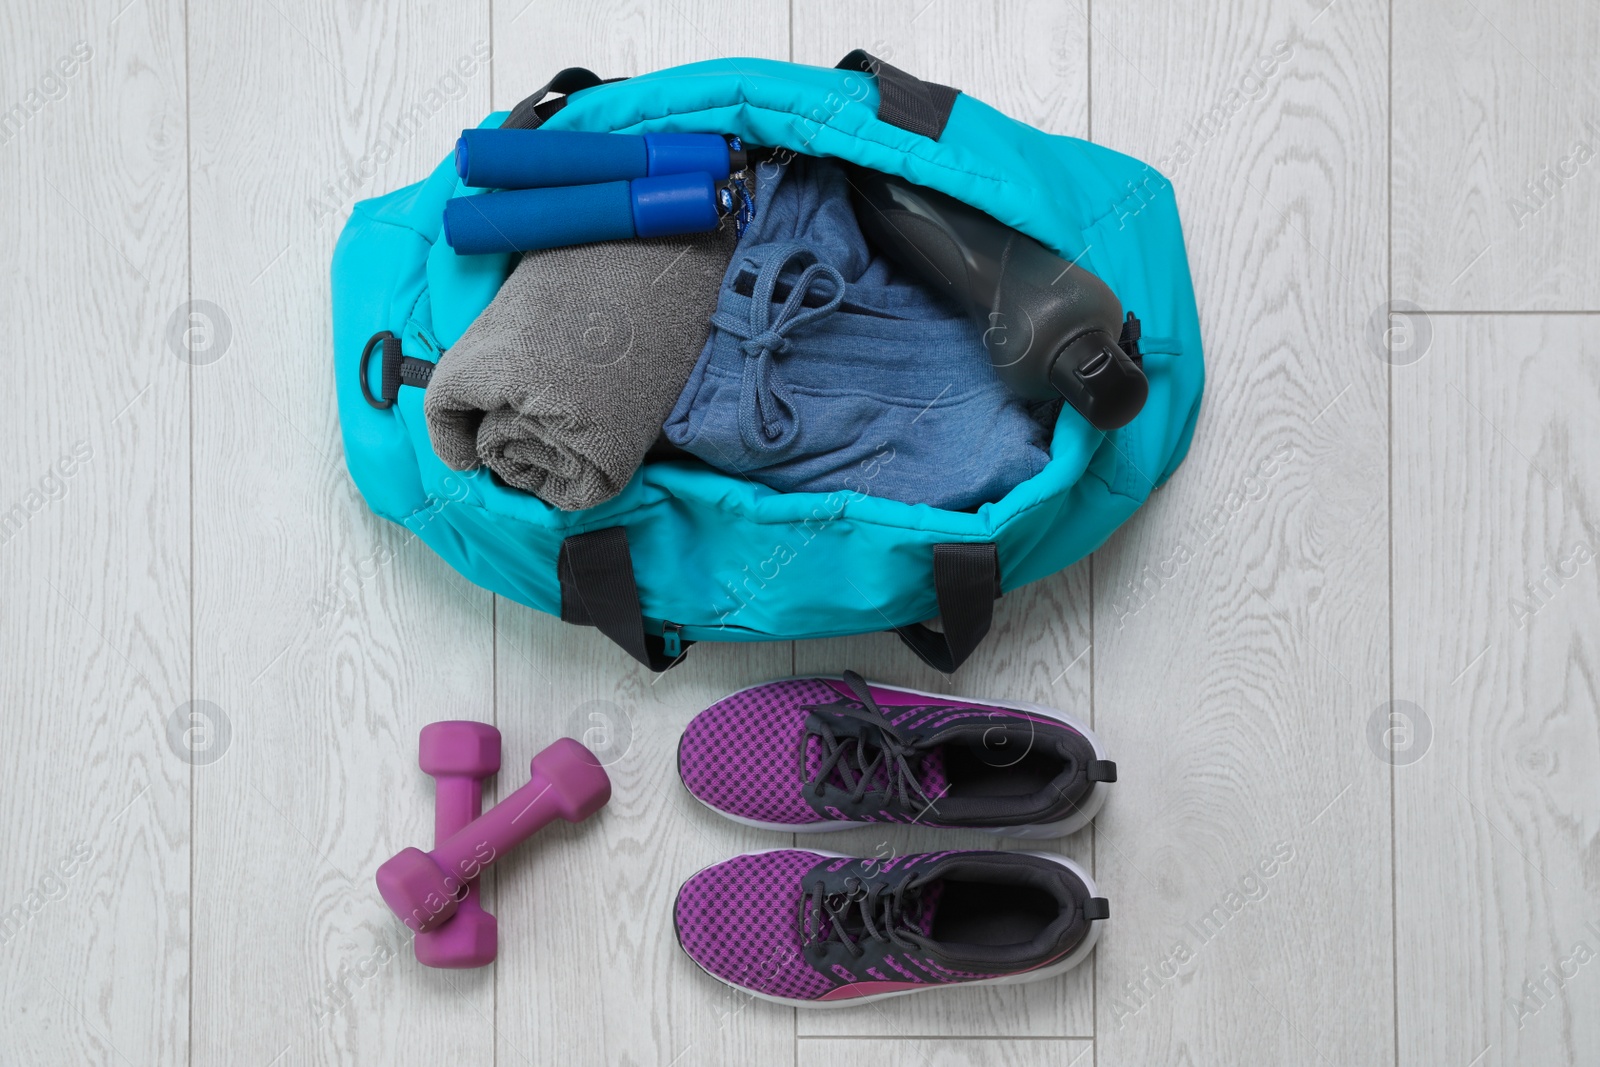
(459, 755)
(425, 888)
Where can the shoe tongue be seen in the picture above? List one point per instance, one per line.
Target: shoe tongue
(981, 733)
(997, 743)
(931, 886)
(921, 920)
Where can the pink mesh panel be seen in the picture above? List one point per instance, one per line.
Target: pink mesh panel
(738, 921)
(741, 755)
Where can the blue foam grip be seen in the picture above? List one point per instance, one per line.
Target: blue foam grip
(674, 204)
(522, 220)
(536, 159)
(685, 153)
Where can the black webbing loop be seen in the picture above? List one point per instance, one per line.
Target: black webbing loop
(1129, 341)
(534, 109)
(904, 100)
(597, 589)
(966, 579)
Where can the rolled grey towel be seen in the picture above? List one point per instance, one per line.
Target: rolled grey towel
(562, 384)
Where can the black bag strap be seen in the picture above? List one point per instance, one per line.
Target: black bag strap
(904, 100)
(534, 109)
(966, 579)
(598, 589)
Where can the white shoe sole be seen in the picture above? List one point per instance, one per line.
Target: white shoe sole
(1038, 974)
(1086, 810)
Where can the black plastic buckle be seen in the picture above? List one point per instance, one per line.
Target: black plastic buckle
(398, 369)
(1129, 341)
(384, 336)
(738, 159)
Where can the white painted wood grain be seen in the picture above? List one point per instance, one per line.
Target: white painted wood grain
(1496, 154)
(867, 1052)
(1241, 618)
(327, 635)
(621, 38)
(94, 536)
(1496, 617)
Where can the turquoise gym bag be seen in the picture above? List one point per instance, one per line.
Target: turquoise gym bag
(686, 553)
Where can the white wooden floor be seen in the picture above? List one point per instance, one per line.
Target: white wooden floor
(1358, 632)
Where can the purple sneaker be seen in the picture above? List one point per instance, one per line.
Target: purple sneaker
(814, 754)
(816, 929)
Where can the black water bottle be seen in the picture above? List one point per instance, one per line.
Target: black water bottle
(1051, 327)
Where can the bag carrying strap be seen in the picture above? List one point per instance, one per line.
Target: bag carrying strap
(905, 100)
(534, 109)
(598, 589)
(966, 579)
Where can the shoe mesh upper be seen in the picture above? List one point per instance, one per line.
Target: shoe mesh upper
(739, 919)
(741, 754)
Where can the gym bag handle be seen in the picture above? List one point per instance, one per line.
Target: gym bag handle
(598, 589)
(534, 109)
(905, 100)
(966, 579)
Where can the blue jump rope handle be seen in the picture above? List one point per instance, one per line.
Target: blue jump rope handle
(538, 159)
(524, 220)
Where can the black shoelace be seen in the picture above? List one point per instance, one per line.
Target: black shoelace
(878, 912)
(857, 760)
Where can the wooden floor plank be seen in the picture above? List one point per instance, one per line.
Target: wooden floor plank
(94, 537)
(1496, 734)
(862, 1052)
(328, 636)
(1496, 154)
(1241, 619)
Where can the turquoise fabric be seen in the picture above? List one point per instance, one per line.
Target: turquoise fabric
(720, 556)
